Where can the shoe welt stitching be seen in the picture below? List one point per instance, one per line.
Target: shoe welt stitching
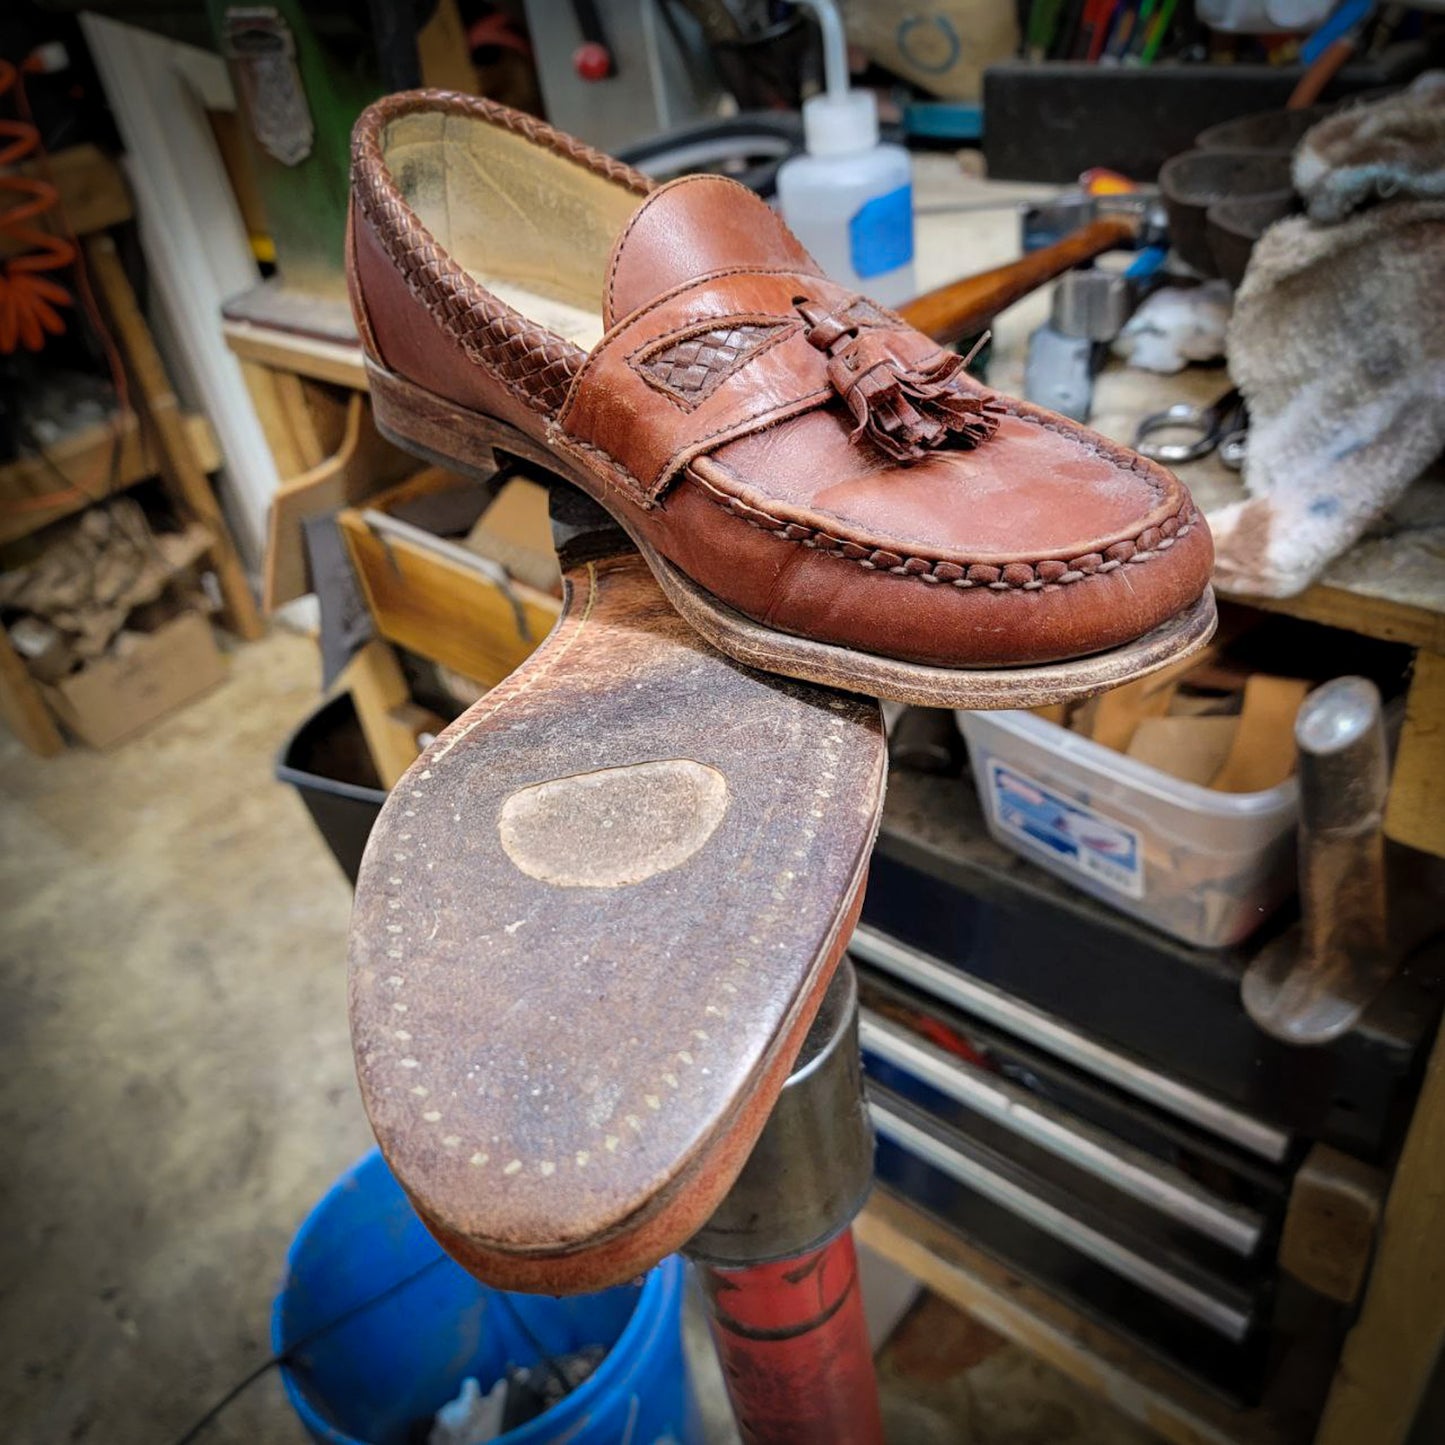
(1011, 576)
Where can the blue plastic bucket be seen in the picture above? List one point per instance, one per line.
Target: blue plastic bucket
(373, 1378)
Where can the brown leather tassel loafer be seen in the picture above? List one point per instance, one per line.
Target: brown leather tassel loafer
(817, 487)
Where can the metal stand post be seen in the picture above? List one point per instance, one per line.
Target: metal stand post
(777, 1261)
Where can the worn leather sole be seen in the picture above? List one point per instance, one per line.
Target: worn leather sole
(593, 925)
(452, 436)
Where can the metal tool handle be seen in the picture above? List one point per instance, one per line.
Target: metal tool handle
(1344, 778)
(1315, 983)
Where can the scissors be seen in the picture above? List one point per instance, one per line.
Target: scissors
(1223, 425)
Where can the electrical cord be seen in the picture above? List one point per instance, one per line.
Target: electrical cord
(28, 299)
(553, 1367)
(70, 488)
(310, 1338)
(291, 1351)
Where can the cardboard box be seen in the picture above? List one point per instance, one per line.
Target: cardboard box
(149, 675)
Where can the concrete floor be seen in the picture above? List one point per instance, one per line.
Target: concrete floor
(179, 1089)
(179, 1093)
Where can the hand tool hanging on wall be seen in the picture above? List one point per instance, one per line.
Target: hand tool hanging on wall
(301, 74)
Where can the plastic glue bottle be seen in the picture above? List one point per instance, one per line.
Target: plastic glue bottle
(849, 200)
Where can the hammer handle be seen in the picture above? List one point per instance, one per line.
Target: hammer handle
(965, 307)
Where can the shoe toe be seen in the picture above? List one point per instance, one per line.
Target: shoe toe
(1047, 542)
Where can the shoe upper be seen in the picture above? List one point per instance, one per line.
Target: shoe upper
(800, 452)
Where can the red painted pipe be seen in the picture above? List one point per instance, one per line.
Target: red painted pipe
(794, 1348)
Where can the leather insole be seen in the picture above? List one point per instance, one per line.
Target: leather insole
(532, 227)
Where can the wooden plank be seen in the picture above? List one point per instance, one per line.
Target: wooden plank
(442, 49)
(300, 420)
(159, 411)
(204, 443)
(1415, 813)
(281, 309)
(443, 609)
(423, 482)
(1329, 1228)
(23, 708)
(1384, 618)
(93, 193)
(266, 389)
(1177, 1409)
(1391, 1354)
(85, 458)
(364, 464)
(304, 355)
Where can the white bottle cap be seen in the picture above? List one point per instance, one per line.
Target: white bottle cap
(835, 125)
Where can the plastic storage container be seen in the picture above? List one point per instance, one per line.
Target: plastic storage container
(849, 200)
(1206, 867)
(326, 761)
(382, 1371)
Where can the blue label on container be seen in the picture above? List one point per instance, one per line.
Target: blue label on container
(880, 235)
(1078, 838)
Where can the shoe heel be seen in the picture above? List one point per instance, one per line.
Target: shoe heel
(443, 433)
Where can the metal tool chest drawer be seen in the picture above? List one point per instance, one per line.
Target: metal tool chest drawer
(1087, 1101)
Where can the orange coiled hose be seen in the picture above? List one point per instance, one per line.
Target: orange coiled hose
(28, 298)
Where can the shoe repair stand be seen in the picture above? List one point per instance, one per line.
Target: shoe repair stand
(776, 1256)
(1389, 592)
(559, 1104)
(777, 1261)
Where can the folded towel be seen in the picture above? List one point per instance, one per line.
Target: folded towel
(1338, 345)
(1386, 150)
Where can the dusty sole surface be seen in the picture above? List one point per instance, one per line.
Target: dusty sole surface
(594, 923)
(451, 436)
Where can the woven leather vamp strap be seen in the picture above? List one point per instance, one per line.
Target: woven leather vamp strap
(702, 365)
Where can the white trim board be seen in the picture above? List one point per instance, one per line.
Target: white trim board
(195, 244)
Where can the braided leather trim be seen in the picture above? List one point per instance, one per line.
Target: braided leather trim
(536, 365)
(1021, 576)
(688, 368)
